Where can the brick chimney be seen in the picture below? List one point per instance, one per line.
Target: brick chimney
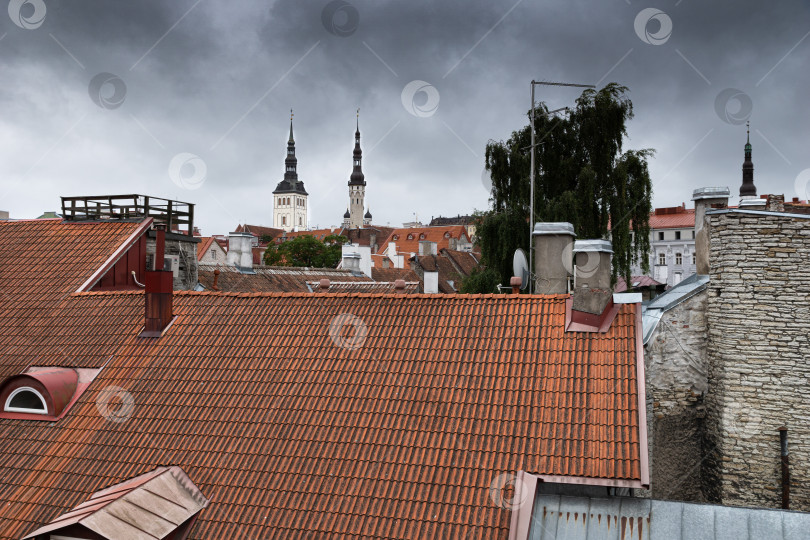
(592, 291)
(553, 243)
(705, 199)
(158, 294)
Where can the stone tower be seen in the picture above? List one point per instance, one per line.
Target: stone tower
(290, 197)
(357, 183)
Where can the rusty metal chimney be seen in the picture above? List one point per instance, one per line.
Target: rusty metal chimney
(553, 243)
(158, 295)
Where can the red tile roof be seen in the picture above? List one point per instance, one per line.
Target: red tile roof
(259, 230)
(393, 274)
(204, 246)
(270, 278)
(346, 415)
(676, 217)
(440, 235)
(386, 287)
(642, 281)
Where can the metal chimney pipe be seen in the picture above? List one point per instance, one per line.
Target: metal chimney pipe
(785, 467)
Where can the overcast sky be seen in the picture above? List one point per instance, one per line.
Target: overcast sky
(101, 97)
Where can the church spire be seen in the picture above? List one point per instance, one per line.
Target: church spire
(357, 177)
(748, 189)
(291, 130)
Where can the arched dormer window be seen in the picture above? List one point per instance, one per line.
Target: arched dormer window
(410, 237)
(43, 393)
(422, 236)
(447, 235)
(25, 400)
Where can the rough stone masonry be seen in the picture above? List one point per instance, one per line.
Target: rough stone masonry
(758, 358)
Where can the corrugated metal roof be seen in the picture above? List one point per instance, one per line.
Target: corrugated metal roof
(560, 517)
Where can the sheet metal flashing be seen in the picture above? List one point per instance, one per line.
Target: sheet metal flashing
(654, 310)
(711, 193)
(595, 245)
(756, 213)
(620, 518)
(554, 228)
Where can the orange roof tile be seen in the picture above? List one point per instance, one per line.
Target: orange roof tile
(682, 218)
(203, 246)
(346, 415)
(407, 239)
(270, 278)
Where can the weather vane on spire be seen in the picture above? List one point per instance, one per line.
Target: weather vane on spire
(291, 115)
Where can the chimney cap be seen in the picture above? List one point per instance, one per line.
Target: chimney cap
(562, 227)
(324, 283)
(399, 285)
(752, 203)
(515, 281)
(585, 246)
(711, 193)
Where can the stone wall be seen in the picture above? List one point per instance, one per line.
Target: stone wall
(759, 359)
(675, 363)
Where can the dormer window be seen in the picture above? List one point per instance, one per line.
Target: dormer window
(447, 235)
(410, 237)
(43, 393)
(422, 236)
(26, 400)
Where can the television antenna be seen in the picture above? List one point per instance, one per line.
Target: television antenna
(531, 172)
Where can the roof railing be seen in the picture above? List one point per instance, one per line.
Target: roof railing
(177, 216)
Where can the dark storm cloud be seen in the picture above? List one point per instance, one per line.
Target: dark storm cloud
(217, 80)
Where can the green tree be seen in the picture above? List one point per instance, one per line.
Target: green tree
(582, 176)
(306, 250)
(481, 280)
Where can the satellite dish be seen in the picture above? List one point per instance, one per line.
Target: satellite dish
(520, 268)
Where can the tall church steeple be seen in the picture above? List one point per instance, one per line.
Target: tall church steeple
(748, 189)
(357, 183)
(290, 197)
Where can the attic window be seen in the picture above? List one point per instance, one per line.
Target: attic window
(410, 237)
(447, 235)
(26, 400)
(422, 236)
(396, 237)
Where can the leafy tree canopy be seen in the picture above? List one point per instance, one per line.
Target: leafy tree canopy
(306, 250)
(582, 176)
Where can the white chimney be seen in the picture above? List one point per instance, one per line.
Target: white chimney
(240, 250)
(357, 258)
(427, 248)
(431, 282)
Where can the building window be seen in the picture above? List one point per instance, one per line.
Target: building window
(662, 259)
(677, 235)
(678, 259)
(694, 258)
(395, 237)
(26, 400)
(678, 276)
(283, 220)
(447, 235)
(693, 235)
(213, 254)
(410, 237)
(661, 235)
(422, 236)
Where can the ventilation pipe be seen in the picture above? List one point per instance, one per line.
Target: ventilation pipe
(516, 282)
(553, 243)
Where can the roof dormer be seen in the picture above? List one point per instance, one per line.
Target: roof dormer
(43, 393)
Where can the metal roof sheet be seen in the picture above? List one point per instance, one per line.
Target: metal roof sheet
(559, 517)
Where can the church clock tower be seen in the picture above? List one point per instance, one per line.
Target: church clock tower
(290, 197)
